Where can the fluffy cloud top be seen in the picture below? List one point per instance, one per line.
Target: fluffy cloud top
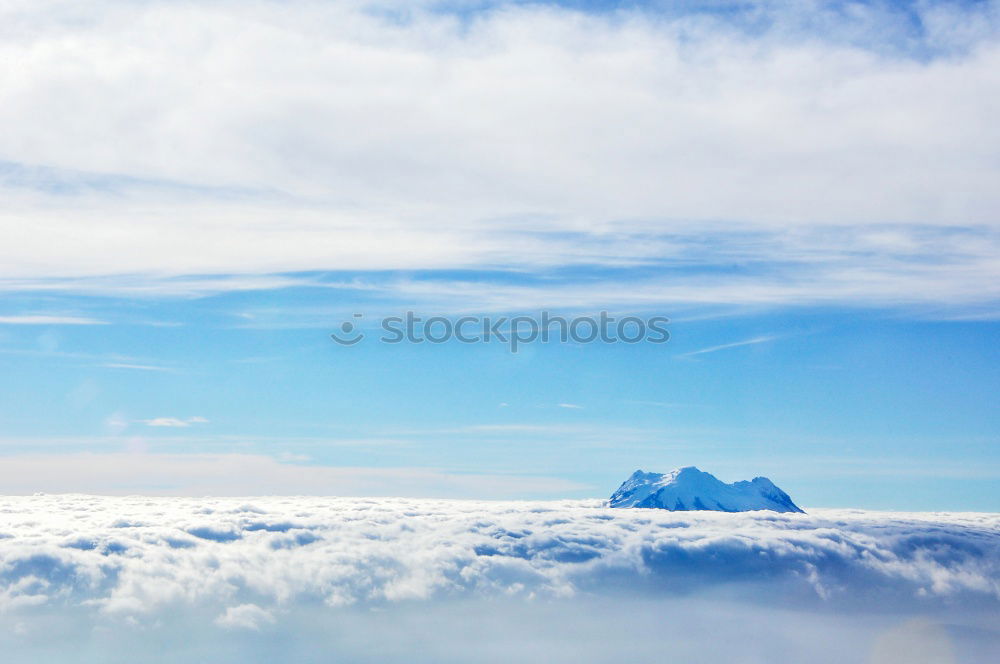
(136, 556)
(403, 580)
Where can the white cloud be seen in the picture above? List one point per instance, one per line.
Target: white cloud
(844, 147)
(141, 555)
(165, 422)
(373, 579)
(173, 422)
(763, 339)
(42, 319)
(245, 616)
(917, 640)
(138, 367)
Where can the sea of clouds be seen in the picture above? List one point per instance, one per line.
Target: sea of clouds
(351, 579)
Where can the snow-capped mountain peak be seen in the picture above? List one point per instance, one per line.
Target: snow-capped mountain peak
(688, 488)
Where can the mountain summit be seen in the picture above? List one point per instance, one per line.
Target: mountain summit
(688, 488)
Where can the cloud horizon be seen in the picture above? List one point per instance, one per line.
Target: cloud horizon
(112, 569)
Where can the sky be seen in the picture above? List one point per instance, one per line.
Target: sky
(195, 196)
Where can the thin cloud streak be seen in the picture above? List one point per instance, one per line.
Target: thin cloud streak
(137, 367)
(735, 344)
(173, 422)
(107, 361)
(47, 319)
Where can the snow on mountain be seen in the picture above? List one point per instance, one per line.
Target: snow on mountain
(688, 488)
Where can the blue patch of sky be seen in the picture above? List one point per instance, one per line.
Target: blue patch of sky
(827, 387)
(889, 27)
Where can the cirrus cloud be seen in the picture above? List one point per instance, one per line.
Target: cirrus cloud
(174, 422)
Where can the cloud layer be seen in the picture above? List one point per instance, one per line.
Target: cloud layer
(136, 556)
(849, 149)
(361, 580)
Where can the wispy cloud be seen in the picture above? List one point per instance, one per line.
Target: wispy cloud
(736, 344)
(656, 404)
(571, 406)
(137, 367)
(48, 319)
(775, 277)
(174, 422)
(108, 361)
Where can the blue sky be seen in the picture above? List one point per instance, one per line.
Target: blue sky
(808, 192)
(840, 406)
